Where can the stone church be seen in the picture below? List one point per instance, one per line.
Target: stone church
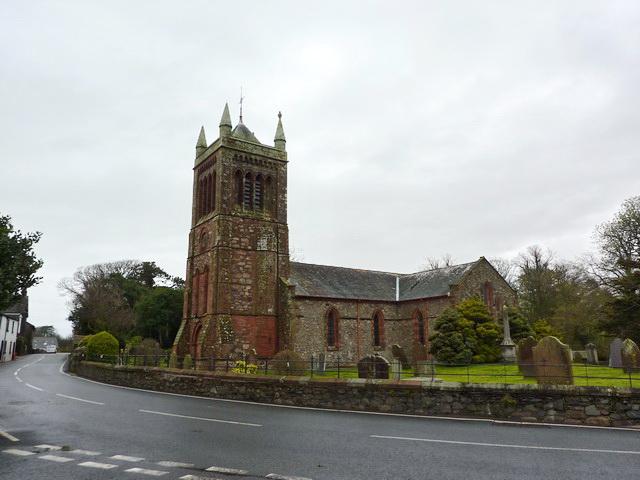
(243, 292)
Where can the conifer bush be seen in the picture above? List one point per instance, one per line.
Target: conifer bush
(102, 345)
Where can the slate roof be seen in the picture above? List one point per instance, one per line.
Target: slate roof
(243, 133)
(350, 283)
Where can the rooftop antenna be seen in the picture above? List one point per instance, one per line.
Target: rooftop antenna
(241, 99)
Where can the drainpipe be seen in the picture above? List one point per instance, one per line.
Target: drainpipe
(397, 288)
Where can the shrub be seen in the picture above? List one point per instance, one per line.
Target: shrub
(243, 367)
(287, 362)
(148, 347)
(85, 339)
(102, 344)
(133, 342)
(187, 362)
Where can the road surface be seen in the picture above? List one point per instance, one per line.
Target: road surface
(57, 426)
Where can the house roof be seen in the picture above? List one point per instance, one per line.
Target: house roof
(350, 283)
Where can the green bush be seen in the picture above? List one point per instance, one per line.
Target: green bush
(187, 362)
(102, 344)
(84, 341)
(287, 362)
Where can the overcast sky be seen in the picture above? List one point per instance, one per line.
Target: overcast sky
(414, 129)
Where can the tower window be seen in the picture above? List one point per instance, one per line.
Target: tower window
(237, 180)
(213, 192)
(247, 198)
(268, 194)
(194, 293)
(258, 193)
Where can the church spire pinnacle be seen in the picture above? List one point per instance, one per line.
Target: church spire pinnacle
(225, 122)
(280, 140)
(201, 144)
(241, 100)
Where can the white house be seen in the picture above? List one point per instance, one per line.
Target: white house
(9, 329)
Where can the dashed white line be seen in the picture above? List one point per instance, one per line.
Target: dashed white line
(146, 471)
(78, 399)
(201, 418)
(20, 453)
(8, 436)
(19, 379)
(276, 476)
(88, 453)
(194, 477)
(34, 387)
(230, 471)
(166, 463)
(55, 458)
(46, 446)
(103, 466)
(506, 445)
(127, 458)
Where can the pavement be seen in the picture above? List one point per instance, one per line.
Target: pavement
(57, 426)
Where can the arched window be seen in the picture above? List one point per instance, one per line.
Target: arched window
(238, 187)
(195, 290)
(258, 193)
(420, 328)
(487, 294)
(205, 290)
(332, 328)
(213, 192)
(378, 329)
(207, 195)
(268, 195)
(247, 198)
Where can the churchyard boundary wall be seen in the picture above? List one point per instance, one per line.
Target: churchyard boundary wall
(564, 404)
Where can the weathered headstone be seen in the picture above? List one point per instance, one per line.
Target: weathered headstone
(252, 357)
(396, 368)
(592, 354)
(615, 353)
(322, 363)
(552, 360)
(524, 353)
(398, 352)
(373, 366)
(425, 368)
(630, 356)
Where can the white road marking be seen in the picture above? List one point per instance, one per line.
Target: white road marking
(78, 399)
(195, 477)
(88, 453)
(146, 471)
(201, 418)
(359, 412)
(103, 466)
(175, 464)
(34, 387)
(19, 379)
(126, 458)
(230, 471)
(56, 458)
(46, 446)
(506, 445)
(8, 436)
(20, 453)
(275, 476)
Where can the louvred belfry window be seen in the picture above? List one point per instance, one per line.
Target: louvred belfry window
(247, 198)
(259, 193)
(238, 187)
(213, 192)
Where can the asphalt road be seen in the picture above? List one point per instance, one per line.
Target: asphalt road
(109, 432)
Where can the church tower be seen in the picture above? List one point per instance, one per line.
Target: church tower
(238, 244)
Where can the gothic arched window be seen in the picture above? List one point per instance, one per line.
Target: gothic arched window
(378, 329)
(258, 193)
(213, 192)
(268, 195)
(332, 328)
(247, 198)
(205, 290)
(237, 186)
(195, 290)
(420, 328)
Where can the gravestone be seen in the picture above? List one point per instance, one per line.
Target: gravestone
(252, 357)
(524, 354)
(322, 363)
(552, 360)
(615, 353)
(630, 356)
(373, 366)
(425, 368)
(592, 354)
(398, 352)
(396, 368)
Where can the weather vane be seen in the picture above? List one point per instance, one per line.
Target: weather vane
(241, 99)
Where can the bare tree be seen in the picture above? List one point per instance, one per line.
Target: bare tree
(506, 268)
(434, 263)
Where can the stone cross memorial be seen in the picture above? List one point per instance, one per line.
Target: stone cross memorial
(398, 352)
(524, 353)
(507, 345)
(615, 353)
(552, 360)
(630, 356)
